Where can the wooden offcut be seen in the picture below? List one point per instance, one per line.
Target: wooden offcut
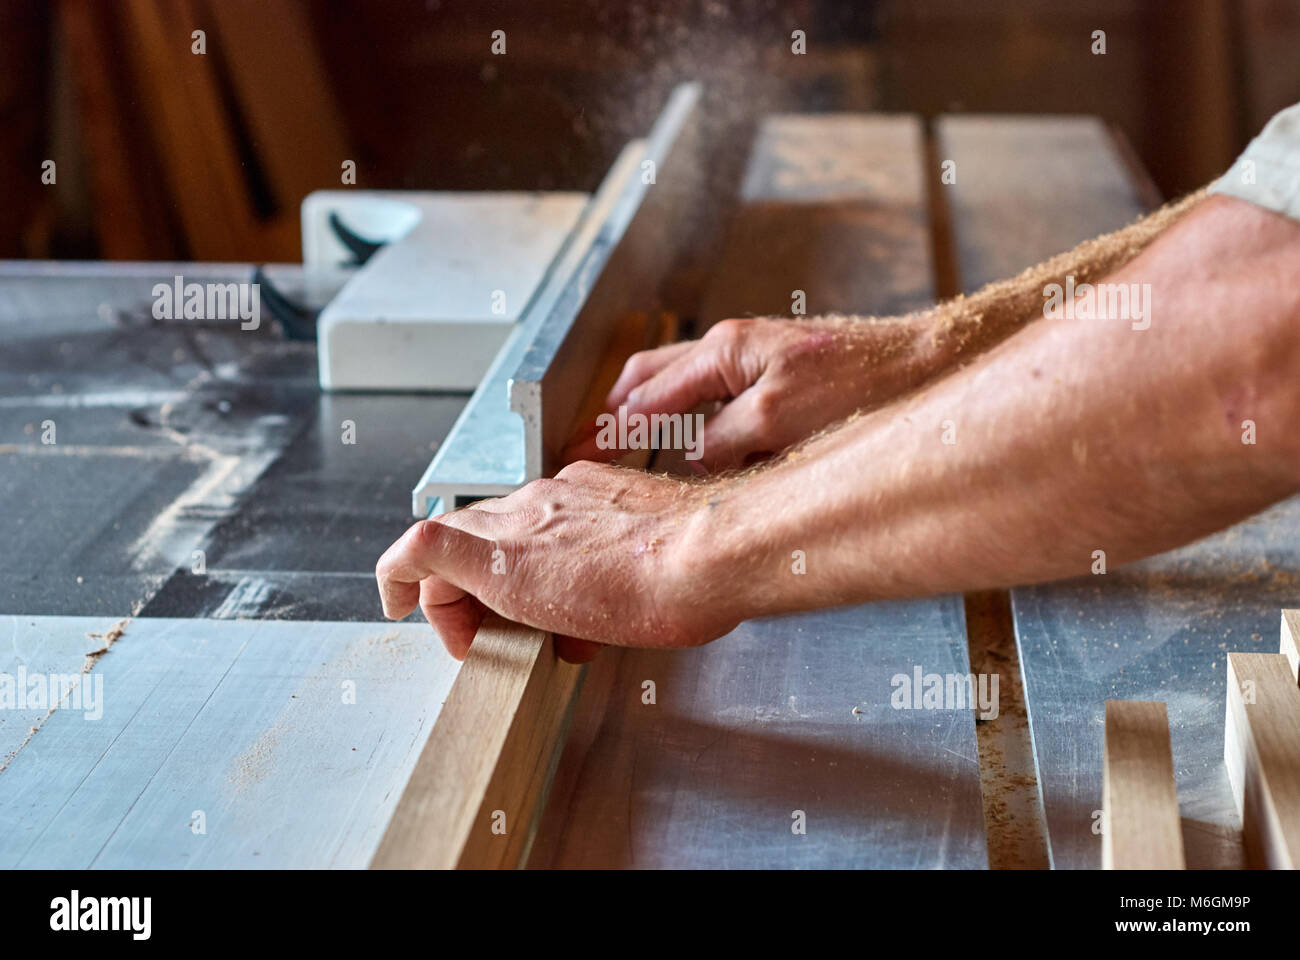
(1262, 754)
(1142, 828)
(1291, 641)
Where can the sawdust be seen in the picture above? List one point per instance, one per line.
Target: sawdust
(110, 637)
(999, 309)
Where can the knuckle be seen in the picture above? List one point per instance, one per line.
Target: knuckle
(728, 331)
(578, 470)
(637, 366)
(428, 533)
(766, 409)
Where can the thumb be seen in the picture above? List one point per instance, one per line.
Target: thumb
(456, 560)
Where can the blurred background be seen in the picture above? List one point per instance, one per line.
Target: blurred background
(162, 153)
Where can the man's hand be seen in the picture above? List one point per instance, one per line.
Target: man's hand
(598, 555)
(780, 380)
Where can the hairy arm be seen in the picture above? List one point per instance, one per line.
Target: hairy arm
(1071, 436)
(782, 380)
(1074, 435)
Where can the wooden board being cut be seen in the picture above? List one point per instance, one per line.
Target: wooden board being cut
(1262, 753)
(482, 776)
(1142, 830)
(701, 758)
(477, 792)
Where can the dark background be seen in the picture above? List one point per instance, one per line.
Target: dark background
(162, 154)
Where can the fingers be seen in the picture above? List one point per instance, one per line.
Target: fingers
(639, 367)
(708, 372)
(456, 623)
(455, 558)
(740, 430)
(644, 365)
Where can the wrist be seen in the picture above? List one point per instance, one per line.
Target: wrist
(737, 559)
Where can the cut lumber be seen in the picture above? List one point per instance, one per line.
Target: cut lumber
(1262, 754)
(1291, 640)
(474, 797)
(1142, 828)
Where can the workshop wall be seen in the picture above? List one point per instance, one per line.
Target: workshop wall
(165, 152)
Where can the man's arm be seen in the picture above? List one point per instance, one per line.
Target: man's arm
(1074, 435)
(782, 380)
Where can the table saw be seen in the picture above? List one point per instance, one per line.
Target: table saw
(194, 511)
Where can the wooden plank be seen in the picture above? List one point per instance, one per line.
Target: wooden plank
(1290, 647)
(834, 205)
(1027, 188)
(190, 127)
(478, 791)
(1142, 829)
(283, 88)
(482, 776)
(1262, 755)
(132, 220)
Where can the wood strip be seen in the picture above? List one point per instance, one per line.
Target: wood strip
(478, 791)
(1262, 754)
(1142, 829)
(283, 88)
(1291, 640)
(483, 774)
(191, 128)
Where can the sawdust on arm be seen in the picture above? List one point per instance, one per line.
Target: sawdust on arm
(966, 326)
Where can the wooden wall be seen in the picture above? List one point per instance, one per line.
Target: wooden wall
(164, 154)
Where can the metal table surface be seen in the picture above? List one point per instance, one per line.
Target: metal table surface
(1156, 630)
(198, 481)
(173, 437)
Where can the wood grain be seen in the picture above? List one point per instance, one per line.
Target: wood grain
(473, 798)
(493, 752)
(1290, 647)
(1142, 828)
(1262, 754)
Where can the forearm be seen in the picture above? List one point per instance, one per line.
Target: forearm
(1073, 436)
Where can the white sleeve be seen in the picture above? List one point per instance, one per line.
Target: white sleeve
(1268, 172)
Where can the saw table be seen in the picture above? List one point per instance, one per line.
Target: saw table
(254, 710)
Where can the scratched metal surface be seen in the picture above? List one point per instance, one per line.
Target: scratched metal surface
(177, 437)
(176, 441)
(1158, 630)
(760, 724)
